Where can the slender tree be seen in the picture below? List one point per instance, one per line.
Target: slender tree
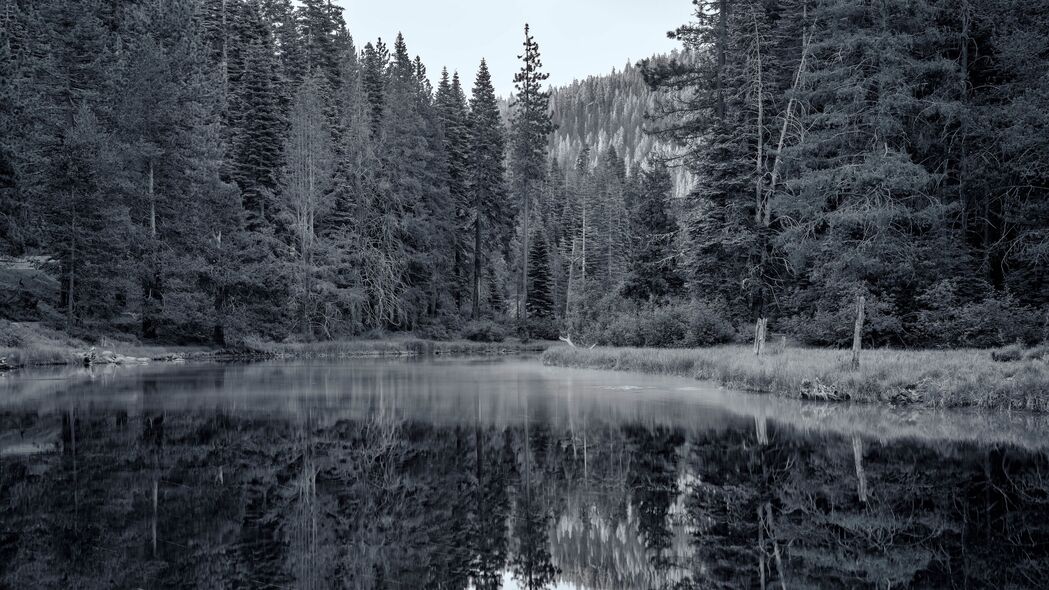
(486, 177)
(530, 129)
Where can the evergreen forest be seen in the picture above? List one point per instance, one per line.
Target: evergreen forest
(207, 171)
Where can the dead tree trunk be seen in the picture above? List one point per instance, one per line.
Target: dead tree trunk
(760, 332)
(861, 475)
(857, 334)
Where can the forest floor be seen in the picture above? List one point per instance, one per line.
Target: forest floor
(28, 344)
(926, 378)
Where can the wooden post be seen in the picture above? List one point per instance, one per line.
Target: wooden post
(857, 335)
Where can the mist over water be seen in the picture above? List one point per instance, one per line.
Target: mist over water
(499, 473)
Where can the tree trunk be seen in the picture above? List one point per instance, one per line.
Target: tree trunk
(71, 291)
(857, 334)
(759, 336)
(522, 296)
(861, 475)
(151, 288)
(477, 264)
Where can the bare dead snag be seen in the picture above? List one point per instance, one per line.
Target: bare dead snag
(760, 333)
(857, 334)
(861, 475)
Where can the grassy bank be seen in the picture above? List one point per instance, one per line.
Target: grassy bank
(28, 344)
(930, 378)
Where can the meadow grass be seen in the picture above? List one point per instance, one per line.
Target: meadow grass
(931, 378)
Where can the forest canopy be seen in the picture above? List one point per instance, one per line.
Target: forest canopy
(208, 170)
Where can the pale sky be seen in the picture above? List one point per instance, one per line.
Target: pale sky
(577, 38)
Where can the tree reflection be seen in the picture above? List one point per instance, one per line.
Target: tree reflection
(216, 499)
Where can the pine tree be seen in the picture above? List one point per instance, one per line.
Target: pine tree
(413, 170)
(486, 177)
(257, 121)
(530, 129)
(720, 128)
(373, 81)
(854, 184)
(453, 114)
(322, 34)
(71, 162)
(309, 157)
(540, 294)
(653, 273)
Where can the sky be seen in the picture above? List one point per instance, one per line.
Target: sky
(577, 38)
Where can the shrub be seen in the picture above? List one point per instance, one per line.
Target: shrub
(664, 327)
(997, 319)
(709, 325)
(484, 331)
(833, 320)
(543, 328)
(673, 325)
(1008, 354)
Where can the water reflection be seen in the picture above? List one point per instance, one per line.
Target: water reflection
(381, 475)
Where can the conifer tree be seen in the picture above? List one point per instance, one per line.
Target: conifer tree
(373, 81)
(323, 35)
(485, 177)
(653, 273)
(309, 158)
(540, 294)
(453, 114)
(257, 121)
(530, 129)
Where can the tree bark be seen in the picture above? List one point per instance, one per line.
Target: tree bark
(760, 335)
(857, 333)
(861, 475)
(477, 263)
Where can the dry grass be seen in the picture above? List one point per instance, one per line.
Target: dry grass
(30, 343)
(932, 378)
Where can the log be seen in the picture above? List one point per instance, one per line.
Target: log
(568, 340)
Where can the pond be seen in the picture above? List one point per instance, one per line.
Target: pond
(500, 473)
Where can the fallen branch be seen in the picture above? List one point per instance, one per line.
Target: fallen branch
(568, 340)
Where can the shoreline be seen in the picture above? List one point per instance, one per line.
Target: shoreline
(934, 379)
(73, 353)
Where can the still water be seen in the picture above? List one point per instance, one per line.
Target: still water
(475, 474)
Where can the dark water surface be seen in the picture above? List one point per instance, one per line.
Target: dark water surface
(462, 474)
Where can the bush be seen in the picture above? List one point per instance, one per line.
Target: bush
(834, 318)
(484, 331)
(709, 325)
(997, 319)
(1008, 354)
(543, 328)
(675, 325)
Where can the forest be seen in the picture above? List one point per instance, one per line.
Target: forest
(204, 171)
